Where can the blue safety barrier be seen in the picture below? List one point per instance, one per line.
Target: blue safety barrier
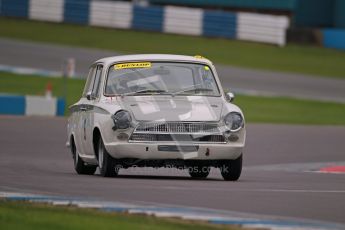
(148, 18)
(210, 23)
(22, 105)
(14, 8)
(219, 24)
(334, 38)
(61, 104)
(12, 105)
(77, 11)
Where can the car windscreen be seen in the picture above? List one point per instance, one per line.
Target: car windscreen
(136, 78)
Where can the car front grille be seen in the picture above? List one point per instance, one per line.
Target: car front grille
(177, 132)
(178, 127)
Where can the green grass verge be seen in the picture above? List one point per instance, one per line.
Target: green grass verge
(291, 111)
(20, 215)
(256, 109)
(292, 58)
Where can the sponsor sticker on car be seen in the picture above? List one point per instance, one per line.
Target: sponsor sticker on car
(132, 65)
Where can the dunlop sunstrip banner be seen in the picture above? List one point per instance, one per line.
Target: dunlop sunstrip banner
(132, 65)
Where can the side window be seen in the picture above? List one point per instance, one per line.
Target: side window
(89, 81)
(97, 80)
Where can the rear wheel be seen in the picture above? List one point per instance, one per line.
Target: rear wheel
(79, 165)
(231, 169)
(198, 171)
(107, 165)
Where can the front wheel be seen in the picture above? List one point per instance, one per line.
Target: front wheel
(106, 163)
(200, 172)
(231, 169)
(79, 165)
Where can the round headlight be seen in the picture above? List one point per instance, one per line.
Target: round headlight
(234, 121)
(122, 120)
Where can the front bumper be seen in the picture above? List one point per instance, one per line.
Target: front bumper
(168, 150)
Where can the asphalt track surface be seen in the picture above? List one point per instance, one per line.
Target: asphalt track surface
(246, 81)
(277, 180)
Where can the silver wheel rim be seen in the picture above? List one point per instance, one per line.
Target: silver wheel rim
(100, 155)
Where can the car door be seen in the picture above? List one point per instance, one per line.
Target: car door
(94, 95)
(80, 132)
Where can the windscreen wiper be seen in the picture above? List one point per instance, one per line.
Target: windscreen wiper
(143, 91)
(193, 89)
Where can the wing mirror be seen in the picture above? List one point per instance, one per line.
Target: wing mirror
(230, 96)
(90, 96)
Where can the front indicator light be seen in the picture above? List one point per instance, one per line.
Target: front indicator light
(233, 138)
(122, 136)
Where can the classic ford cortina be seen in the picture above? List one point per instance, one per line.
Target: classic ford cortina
(156, 111)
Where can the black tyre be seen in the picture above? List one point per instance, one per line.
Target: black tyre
(107, 165)
(231, 169)
(199, 171)
(79, 165)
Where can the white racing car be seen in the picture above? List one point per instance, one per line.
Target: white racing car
(156, 111)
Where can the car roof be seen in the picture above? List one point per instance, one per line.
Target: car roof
(154, 57)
